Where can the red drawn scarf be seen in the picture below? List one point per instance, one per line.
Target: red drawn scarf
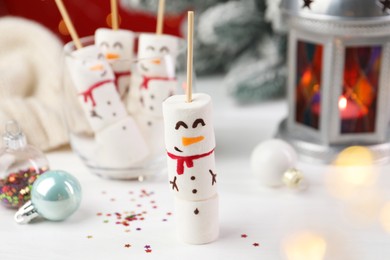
(188, 160)
(118, 75)
(145, 82)
(88, 94)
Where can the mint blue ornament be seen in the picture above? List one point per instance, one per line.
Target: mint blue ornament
(55, 196)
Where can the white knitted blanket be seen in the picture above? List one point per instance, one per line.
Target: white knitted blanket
(30, 81)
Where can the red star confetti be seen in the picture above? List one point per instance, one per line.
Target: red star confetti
(244, 235)
(127, 245)
(256, 244)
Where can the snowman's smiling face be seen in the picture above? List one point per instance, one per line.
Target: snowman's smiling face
(157, 54)
(188, 127)
(187, 141)
(88, 67)
(116, 44)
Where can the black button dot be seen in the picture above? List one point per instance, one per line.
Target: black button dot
(194, 191)
(196, 211)
(108, 103)
(151, 108)
(152, 96)
(149, 123)
(114, 114)
(193, 178)
(124, 127)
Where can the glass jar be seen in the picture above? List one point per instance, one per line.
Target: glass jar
(20, 165)
(113, 106)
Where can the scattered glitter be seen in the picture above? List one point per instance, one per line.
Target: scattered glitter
(169, 213)
(99, 214)
(138, 229)
(148, 250)
(155, 207)
(147, 246)
(16, 186)
(104, 192)
(127, 245)
(127, 230)
(106, 221)
(164, 219)
(256, 244)
(112, 199)
(89, 237)
(244, 236)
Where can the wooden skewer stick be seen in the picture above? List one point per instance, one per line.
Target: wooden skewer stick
(160, 17)
(69, 24)
(190, 40)
(114, 15)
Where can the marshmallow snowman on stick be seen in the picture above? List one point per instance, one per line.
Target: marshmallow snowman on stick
(117, 45)
(190, 144)
(156, 68)
(119, 142)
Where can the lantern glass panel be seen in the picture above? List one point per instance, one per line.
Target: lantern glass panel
(308, 84)
(358, 102)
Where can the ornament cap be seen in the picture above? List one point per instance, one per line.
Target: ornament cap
(26, 213)
(294, 179)
(14, 138)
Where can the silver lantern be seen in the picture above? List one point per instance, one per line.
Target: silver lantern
(339, 76)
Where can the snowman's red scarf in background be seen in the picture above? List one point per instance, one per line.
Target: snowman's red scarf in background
(145, 82)
(88, 94)
(118, 75)
(188, 160)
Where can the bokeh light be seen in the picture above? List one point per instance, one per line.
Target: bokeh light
(351, 172)
(385, 217)
(305, 245)
(62, 28)
(109, 20)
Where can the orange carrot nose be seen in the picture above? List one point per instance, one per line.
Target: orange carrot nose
(112, 56)
(97, 67)
(191, 140)
(156, 61)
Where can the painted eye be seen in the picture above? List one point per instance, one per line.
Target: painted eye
(118, 45)
(164, 49)
(104, 45)
(100, 56)
(150, 48)
(179, 124)
(197, 122)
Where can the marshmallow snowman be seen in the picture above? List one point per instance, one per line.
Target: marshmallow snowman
(93, 79)
(156, 66)
(117, 46)
(118, 140)
(190, 144)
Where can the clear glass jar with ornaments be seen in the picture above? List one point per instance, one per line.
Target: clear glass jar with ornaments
(114, 86)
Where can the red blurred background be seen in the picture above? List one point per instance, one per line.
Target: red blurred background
(87, 16)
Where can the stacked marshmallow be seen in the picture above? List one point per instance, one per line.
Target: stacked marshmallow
(157, 81)
(190, 144)
(118, 141)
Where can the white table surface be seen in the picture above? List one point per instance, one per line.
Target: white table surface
(265, 215)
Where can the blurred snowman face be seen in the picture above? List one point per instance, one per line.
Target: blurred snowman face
(157, 55)
(188, 126)
(87, 67)
(116, 44)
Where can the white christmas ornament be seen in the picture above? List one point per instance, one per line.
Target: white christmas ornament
(271, 159)
(117, 46)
